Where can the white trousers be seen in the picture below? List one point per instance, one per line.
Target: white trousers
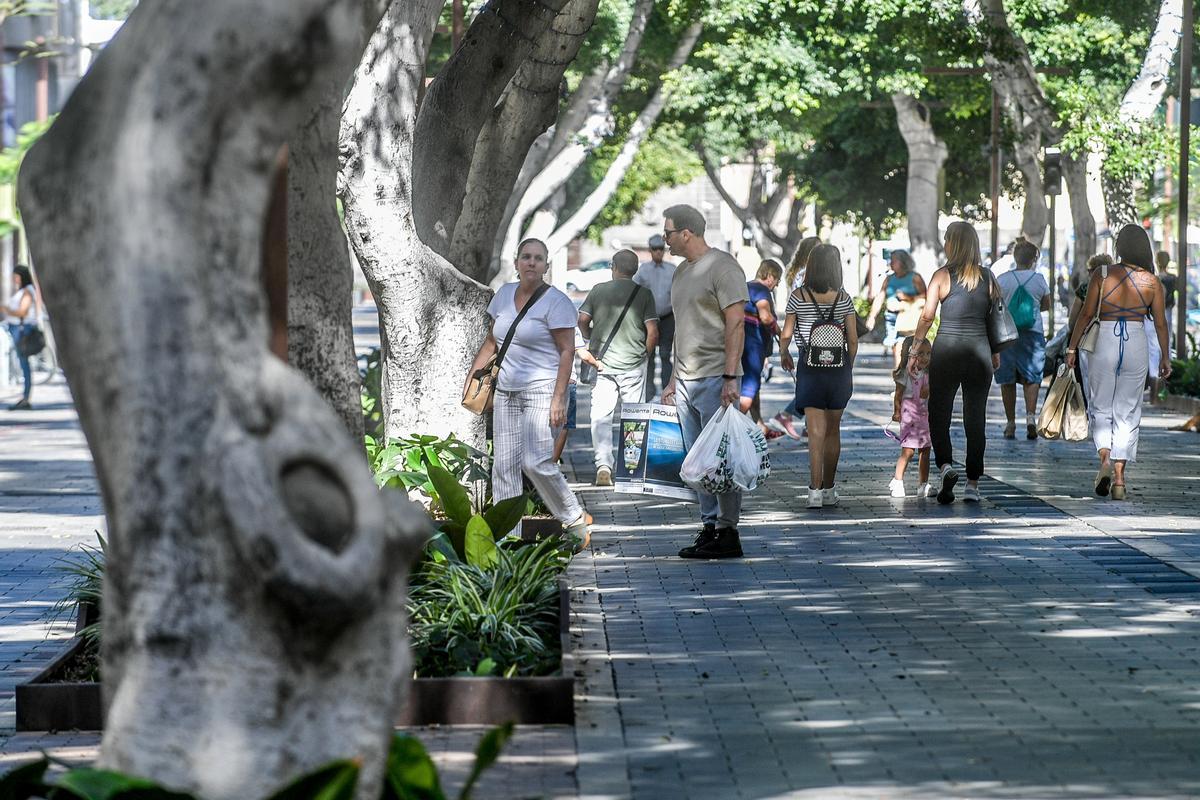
(610, 392)
(523, 441)
(1116, 380)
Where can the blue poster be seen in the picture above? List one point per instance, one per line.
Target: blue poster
(650, 446)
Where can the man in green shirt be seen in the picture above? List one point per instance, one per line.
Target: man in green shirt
(620, 323)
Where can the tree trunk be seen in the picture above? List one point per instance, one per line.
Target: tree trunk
(458, 105)
(1035, 216)
(320, 276)
(526, 110)
(1075, 175)
(432, 317)
(254, 622)
(1138, 106)
(641, 127)
(597, 126)
(926, 155)
(757, 215)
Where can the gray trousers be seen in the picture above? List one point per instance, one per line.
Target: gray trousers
(696, 402)
(610, 392)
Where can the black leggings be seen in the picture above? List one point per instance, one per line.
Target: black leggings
(964, 361)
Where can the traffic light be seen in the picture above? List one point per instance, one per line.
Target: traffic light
(1052, 171)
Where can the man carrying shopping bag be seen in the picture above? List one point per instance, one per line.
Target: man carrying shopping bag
(708, 295)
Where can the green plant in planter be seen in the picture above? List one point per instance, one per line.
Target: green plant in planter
(371, 375)
(411, 775)
(472, 535)
(404, 464)
(466, 619)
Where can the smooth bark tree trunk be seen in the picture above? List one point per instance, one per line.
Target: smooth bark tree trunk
(527, 109)
(593, 129)
(926, 155)
(1075, 175)
(1013, 74)
(759, 215)
(459, 103)
(1035, 214)
(254, 623)
(595, 202)
(432, 317)
(320, 276)
(1138, 106)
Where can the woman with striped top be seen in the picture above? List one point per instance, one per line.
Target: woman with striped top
(822, 391)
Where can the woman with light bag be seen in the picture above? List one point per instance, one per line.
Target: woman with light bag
(1111, 329)
(532, 369)
(1064, 414)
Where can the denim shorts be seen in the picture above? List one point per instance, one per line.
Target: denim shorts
(1023, 361)
(825, 388)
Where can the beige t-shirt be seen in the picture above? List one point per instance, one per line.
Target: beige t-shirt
(700, 292)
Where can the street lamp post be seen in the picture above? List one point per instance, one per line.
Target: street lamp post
(1052, 183)
(1185, 123)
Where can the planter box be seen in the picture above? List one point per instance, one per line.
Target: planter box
(1182, 403)
(46, 706)
(536, 528)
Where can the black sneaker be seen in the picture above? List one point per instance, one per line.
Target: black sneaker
(946, 493)
(726, 545)
(707, 535)
(1031, 432)
(21, 405)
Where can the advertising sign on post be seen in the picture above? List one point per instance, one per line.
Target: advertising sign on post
(650, 451)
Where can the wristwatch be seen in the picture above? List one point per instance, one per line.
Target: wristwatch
(730, 377)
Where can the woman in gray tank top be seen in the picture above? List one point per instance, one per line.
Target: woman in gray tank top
(962, 356)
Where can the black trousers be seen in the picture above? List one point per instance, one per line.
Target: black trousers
(666, 340)
(966, 362)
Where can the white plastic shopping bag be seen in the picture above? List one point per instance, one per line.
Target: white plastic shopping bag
(730, 453)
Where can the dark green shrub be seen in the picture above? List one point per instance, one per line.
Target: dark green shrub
(500, 619)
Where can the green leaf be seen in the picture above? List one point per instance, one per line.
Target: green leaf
(457, 534)
(481, 545)
(485, 667)
(24, 782)
(98, 784)
(453, 496)
(411, 774)
(486, 755)
(439, 545)
(504, 516)
(335, 781)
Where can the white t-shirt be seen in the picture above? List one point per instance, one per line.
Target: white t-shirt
(532, 358)
(1034, 283)
(14, 306)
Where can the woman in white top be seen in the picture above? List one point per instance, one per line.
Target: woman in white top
(531, 390)
(20, 316)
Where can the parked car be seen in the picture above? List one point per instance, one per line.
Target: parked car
(587, 277)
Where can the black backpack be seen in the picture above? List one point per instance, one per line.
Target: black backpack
(827, 346)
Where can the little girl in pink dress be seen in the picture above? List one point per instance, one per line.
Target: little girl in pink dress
(912, 412)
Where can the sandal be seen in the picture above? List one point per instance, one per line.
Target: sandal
(1010, 430)
(1104, 477)
(1118, 491)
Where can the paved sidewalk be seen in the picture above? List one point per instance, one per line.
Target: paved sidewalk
(896, 648)
(882, 649)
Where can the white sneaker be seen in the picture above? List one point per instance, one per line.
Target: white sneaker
(925, 490)
(971, 494)
(815, 498)
(896, 487)
(830, 497)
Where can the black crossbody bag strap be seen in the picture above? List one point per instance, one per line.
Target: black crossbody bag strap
(541, 290)
(613, 333)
